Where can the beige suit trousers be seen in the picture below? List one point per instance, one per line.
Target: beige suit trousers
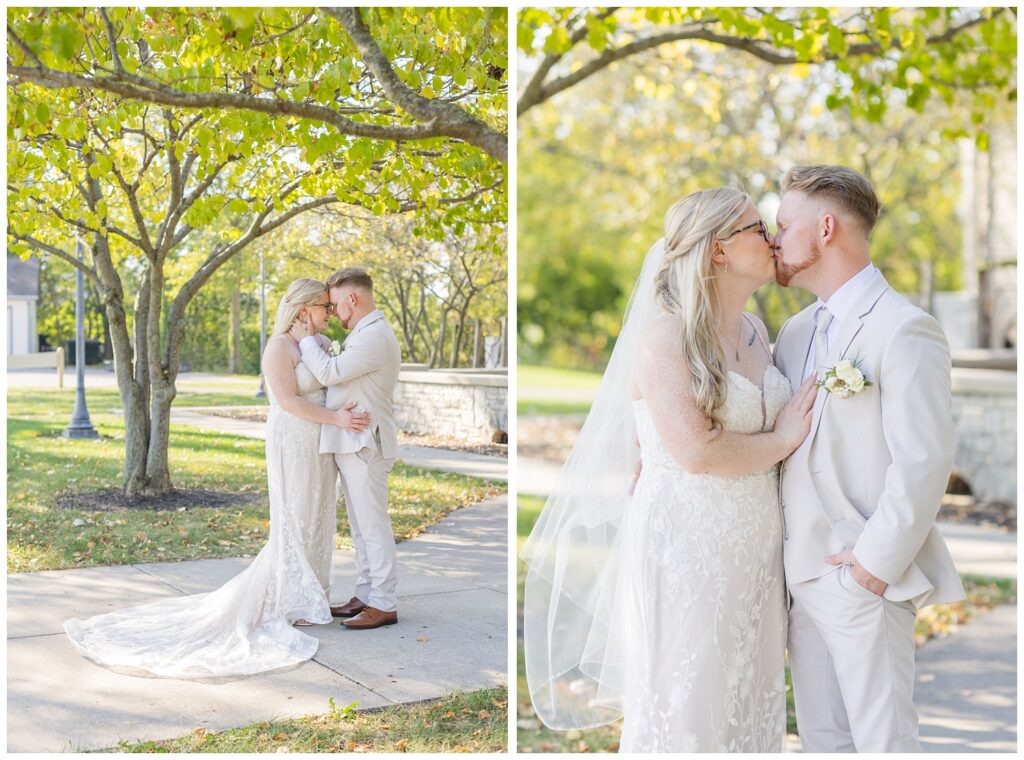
(364, 484)
(851, 655)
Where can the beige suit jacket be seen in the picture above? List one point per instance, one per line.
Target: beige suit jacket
(872, 472)
(366, 371)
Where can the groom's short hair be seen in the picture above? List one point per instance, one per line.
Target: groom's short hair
(851, 190)
(351, 276)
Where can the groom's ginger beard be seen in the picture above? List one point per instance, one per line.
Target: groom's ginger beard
(784, 273)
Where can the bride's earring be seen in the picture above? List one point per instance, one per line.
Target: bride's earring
(726, 263)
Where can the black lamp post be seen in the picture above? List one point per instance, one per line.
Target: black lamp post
(81, 425)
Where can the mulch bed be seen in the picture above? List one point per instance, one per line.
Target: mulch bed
(453, 444)
(247, 413)
(966, 509)
(115, 500)
(259, 414)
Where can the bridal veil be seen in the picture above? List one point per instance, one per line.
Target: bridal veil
(574, 637)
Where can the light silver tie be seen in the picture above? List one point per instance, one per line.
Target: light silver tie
(823, 318)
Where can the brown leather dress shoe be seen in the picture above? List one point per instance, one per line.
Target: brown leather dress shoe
(371, 617)
(349, 609)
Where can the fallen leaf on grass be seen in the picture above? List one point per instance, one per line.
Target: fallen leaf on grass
(280, 737)
(483, 714)
(403, 745)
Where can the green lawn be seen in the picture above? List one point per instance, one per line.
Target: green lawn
(534, 379)
(547, 391)
(42, 466)
(533, 736)
(473, 722)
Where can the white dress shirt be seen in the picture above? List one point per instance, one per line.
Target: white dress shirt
(839, 305)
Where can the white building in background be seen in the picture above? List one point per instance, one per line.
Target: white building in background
(984, 313)
(22, 299)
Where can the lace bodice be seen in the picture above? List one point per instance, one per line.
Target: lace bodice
(308, 386)
(746, 410)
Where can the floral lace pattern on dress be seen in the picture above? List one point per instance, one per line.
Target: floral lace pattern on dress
(702, 558)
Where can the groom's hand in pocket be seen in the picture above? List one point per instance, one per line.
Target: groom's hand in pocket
(875, 585)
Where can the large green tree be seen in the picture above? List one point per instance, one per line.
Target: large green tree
(395, 74)
(165, 195)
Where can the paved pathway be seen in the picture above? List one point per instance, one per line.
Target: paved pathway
(452, 635)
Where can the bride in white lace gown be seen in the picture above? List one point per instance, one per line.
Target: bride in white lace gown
(669, 608)
(246, 625)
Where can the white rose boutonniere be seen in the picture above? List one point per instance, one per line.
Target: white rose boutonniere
(334, 349)
(844, 379)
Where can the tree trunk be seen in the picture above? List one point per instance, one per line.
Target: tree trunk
(235, 337)
(108, 344)
(158, 473)
(460, 332)
(438, 354)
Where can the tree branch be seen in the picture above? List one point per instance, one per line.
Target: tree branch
(60, 253)
(112, 39)
(154, 92)
(454, 120)
(537, 91)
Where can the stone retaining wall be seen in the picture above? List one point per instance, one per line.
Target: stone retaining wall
(985, 432)
(469, 404)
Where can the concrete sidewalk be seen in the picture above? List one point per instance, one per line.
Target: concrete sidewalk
(451, 635)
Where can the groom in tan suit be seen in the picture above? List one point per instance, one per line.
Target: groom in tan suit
(365, 372)
(860, 496)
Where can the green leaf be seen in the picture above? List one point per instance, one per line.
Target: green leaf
(558, 42)
(837, 41)
(66, 39)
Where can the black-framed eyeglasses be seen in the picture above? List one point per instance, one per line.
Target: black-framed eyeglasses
(762, 231)
(329, 306)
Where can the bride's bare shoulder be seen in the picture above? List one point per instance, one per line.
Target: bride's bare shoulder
(662, 334)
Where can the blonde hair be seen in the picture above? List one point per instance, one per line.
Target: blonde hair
(302, 292)
(851, 190)
(684, 286)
